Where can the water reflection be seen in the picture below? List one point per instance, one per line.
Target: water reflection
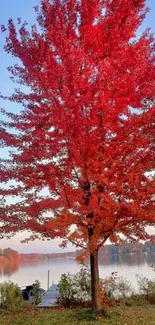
(138, 258)
(9, 267)
(126, 265)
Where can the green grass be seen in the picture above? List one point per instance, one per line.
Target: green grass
(135, 315)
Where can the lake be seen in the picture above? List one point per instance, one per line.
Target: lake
(127, 266)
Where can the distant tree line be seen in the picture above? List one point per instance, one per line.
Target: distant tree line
(128, 248)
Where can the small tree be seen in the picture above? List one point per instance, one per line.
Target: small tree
(10, 296)
(86, 131)
(36, 292)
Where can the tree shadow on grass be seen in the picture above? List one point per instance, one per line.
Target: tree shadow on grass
(89, 315)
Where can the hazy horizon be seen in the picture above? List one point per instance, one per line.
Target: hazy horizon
(39, 246)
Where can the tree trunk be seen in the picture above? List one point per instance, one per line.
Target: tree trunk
(95, 286)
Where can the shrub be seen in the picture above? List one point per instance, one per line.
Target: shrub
(10, 295)
(116, 287)
(146, 288)
(145, 285)
(82, 283)
(65, 290)
(133, 300)
(75, 290)
(36, 292)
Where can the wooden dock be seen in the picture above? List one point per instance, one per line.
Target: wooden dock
(49, 297)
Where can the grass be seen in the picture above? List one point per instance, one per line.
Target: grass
(135, 315)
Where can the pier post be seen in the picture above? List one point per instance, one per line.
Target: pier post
(48, 280)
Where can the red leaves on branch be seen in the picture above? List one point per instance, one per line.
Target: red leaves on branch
(84, 141)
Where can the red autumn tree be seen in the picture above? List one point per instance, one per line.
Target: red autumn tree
(84, 140)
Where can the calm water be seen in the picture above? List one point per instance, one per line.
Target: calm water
(127, 266)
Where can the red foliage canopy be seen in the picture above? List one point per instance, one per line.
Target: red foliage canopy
(84, 140)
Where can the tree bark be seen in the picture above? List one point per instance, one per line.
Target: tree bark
(95, 286)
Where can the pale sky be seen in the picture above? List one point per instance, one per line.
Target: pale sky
(24, 9)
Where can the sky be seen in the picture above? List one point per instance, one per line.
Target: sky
(24, 9)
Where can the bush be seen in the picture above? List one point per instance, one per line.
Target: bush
(36, 292)
(82, 283)
(116, 287)
(134, 300)
(145, 285)
(66, 295)
(146, 288)
(10, 296)
(75, 290)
